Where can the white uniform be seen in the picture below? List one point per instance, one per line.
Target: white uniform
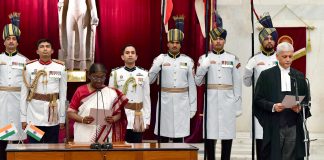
(179, 94)
(258, 63)
(54, 82)
(11, 68)
(224, 93)
(138, 91)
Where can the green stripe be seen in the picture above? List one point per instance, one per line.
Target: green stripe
(7, 135)
(33, 135)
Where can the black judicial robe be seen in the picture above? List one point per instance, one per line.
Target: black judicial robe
(267, 93)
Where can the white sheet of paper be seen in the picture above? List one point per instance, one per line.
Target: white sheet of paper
(102, 113)
(290, 100)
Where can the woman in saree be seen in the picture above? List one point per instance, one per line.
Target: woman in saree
(98, 96)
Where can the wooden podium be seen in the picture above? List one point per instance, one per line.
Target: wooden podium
(138, 151)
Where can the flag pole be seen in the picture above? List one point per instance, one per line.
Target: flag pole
(252, 54)
(207, 17)
(160, 74)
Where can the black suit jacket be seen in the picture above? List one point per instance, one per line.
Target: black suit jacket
(267, 93)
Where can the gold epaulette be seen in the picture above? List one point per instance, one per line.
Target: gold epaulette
(236, 57)
(115, 68)
(184, 55)
(192, 61)
(58, 61)
(257, 53)
(142, 68)
(31, 61)
(113, 72)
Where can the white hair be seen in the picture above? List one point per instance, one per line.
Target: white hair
(284, 47)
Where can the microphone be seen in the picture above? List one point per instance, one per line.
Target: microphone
(299, 76)
(296, 76)
(292, 75)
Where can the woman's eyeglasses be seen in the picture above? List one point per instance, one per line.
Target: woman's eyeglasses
(97, 78)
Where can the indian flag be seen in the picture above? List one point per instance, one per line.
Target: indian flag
(7, 131)
(34, 132)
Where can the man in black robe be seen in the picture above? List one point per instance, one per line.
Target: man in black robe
(283, 135)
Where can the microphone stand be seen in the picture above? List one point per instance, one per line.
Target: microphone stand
(96, 145)
(298, 104)
(306, 136)
(306, 133)
(106, 145)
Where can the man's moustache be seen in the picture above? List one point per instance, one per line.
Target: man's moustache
(269, 46)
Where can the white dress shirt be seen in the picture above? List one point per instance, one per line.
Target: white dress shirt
(285, 79)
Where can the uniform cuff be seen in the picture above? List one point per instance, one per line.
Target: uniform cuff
(23, 118)
(147, 122)
(248, 68)
(62, 120)
(273, 108)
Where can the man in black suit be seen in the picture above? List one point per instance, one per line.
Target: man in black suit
(282, 127)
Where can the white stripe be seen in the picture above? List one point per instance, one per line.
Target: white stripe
(8, 130)
(200, 11)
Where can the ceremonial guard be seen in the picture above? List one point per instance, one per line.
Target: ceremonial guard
(133, 81)
(261, 61)
(223, 93)
(179, 93)
(12, 63)
(44, 93)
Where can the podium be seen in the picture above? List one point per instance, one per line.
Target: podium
(137, 151)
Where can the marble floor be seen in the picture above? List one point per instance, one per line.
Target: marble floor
(241, 149)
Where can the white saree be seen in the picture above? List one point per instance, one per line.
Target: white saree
(108, 99)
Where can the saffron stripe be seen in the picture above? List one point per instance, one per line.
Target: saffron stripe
(36, 129)
(6, 127)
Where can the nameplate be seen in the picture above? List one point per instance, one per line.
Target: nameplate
(76, 76)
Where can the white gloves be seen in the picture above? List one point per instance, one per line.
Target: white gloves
(159, 60)
(192, 114)
(239, 111)
(205, 63)
(251, 64)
